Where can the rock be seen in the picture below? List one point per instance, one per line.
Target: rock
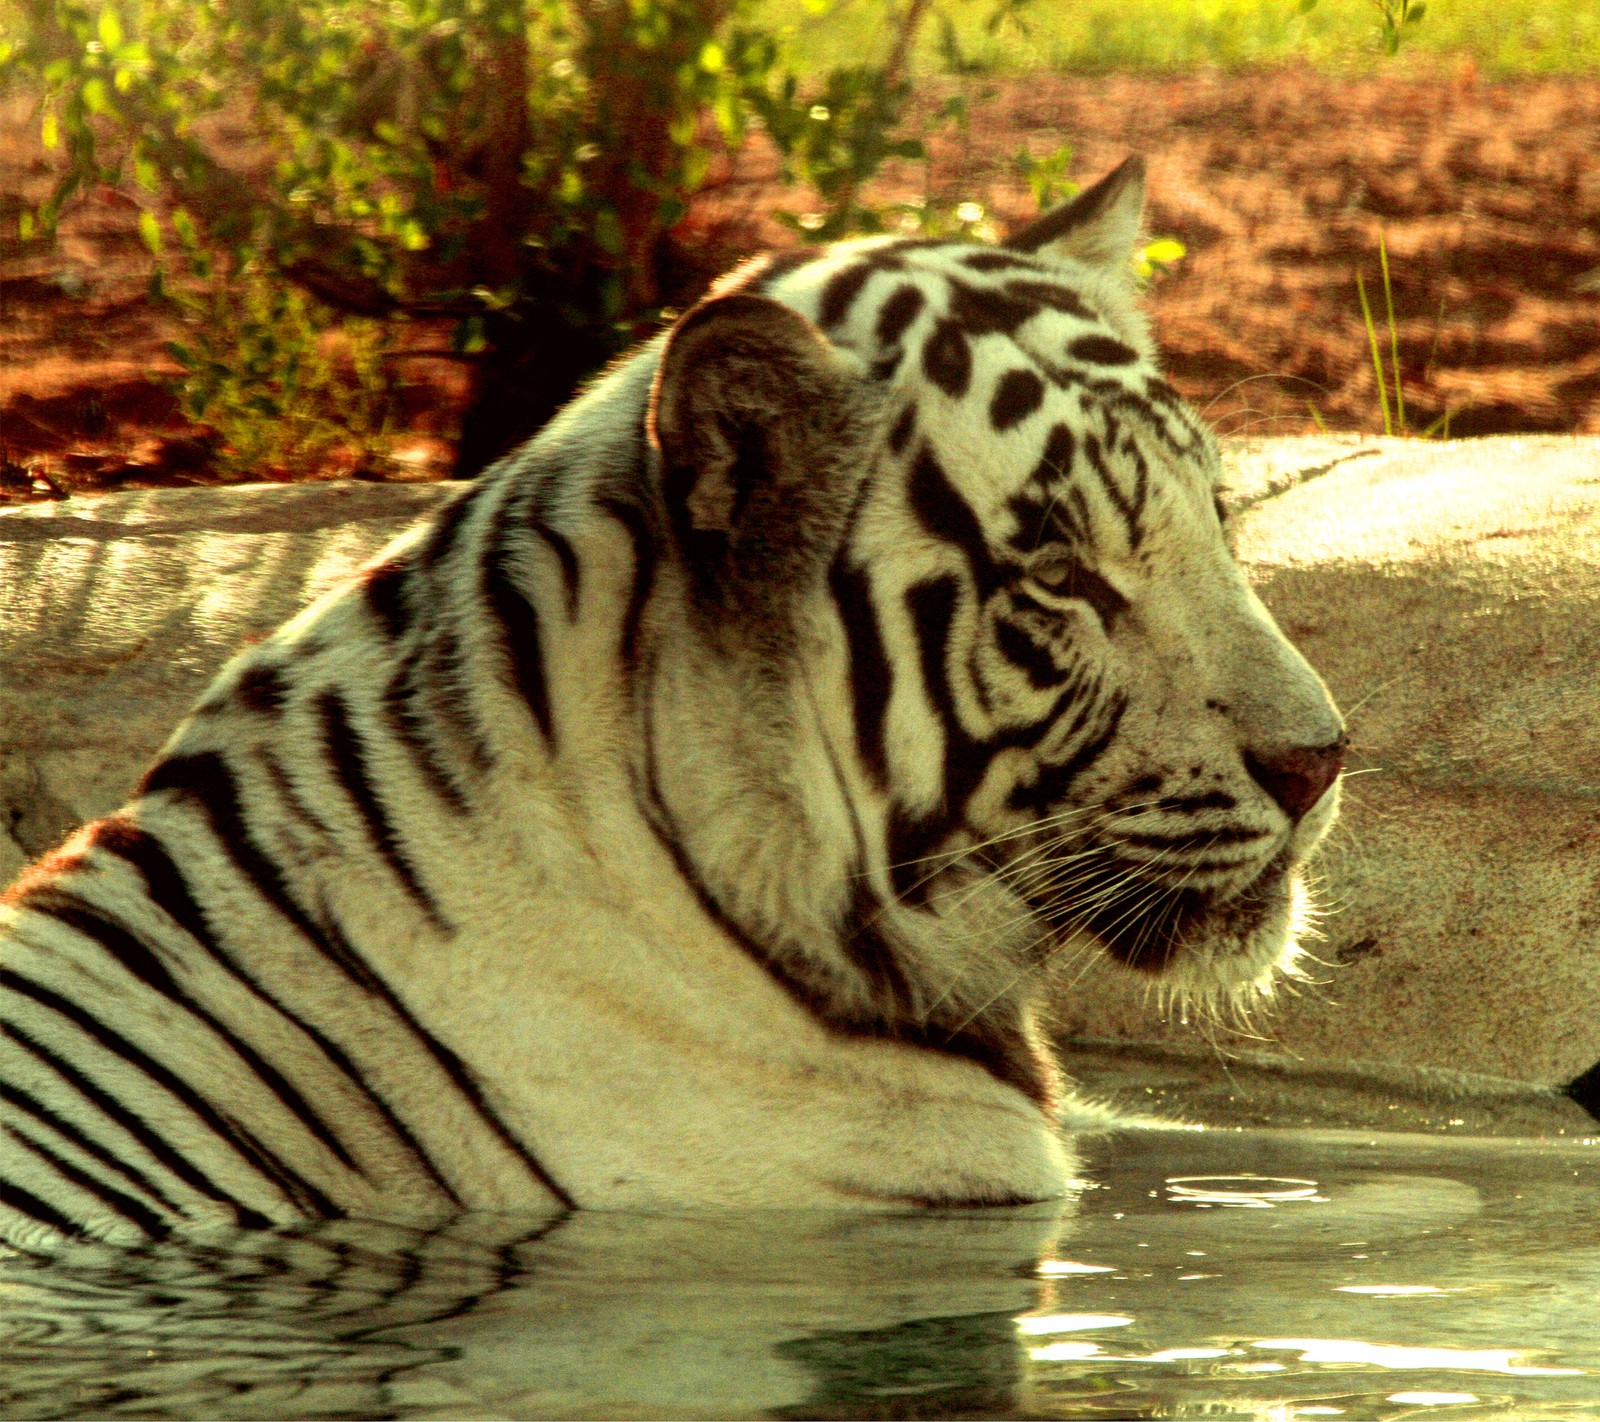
(116, 610)
(1450, 596)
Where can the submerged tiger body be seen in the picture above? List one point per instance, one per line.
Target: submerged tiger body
(687, 813)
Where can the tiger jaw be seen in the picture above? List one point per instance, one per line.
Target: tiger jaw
(1239, 931)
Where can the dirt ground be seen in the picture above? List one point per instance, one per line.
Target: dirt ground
(1280, 183)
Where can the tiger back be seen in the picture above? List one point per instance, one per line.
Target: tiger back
(694, 811)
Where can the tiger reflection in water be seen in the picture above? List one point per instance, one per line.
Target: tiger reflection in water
(591, 1314)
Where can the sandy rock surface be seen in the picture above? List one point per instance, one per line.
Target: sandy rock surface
(116, 611)
(1449, 594)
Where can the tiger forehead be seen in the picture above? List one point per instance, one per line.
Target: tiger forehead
(959, 292)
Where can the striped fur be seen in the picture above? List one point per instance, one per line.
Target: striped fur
(686, 813)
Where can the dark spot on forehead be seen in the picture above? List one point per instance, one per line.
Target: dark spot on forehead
(898, 312)
(1102, 350)
(999, 262)
(840, 293)
(1016, 396)
(1055, 296)
(947, 359)
(986, 311)
(1060, 449)
(1161, 391)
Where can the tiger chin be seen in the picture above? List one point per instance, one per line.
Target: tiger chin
(693, 811)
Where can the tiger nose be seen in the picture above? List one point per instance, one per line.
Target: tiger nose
(1297, 779)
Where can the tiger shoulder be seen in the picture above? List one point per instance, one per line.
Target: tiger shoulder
(695, 810)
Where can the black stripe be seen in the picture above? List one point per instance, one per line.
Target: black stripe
(293, 1186)
(1194, 839)
(204, 781)
(347, 754)
(1130, 509)
(910, 840)
(947, 515)
(447, 525)
(947, 359)
(409, 726)
(125, 1205)
(1055, 296)
(1018, 647)
(1102, 350)
(31, 1106)
(384, 585)
(904, 427)
(637, 525)
(262, 689)
(1016, 396)
(519, 627)
(871, 675)
(998, 262)
(168, 891)
(138, 958)
(1055, 464)
(292, 800)
(873, 956)
(450, 681)
(567, 557)
(987, 311)
(156, 1146)
(1055, 781)
(25, 1202)
(932, 604)
(840, 292)
(898, 312)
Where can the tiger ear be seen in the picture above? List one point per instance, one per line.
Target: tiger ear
(755, 415)
(1099, 227)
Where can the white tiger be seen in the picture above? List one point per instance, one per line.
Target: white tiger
(683, 815)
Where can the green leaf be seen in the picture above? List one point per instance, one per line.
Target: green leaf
(96, 97)
(1165, 249)
(1307, 6)
(182, 354)
(109, 29)
(150, 230)
(1417, 12)
(50, 130)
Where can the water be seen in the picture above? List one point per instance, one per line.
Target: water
(1266, 1274)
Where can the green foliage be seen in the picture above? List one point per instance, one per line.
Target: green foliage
(1394, 16)
(513, 165)
(284, 384)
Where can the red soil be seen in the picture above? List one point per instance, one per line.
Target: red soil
(1280, 183)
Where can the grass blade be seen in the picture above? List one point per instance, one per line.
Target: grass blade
(1377, 359)
(1394, 339)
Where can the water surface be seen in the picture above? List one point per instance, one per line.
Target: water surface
(1223, 1273)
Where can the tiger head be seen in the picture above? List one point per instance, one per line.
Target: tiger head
(987, 678)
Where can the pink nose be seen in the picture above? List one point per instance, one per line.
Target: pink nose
(1297, 779)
